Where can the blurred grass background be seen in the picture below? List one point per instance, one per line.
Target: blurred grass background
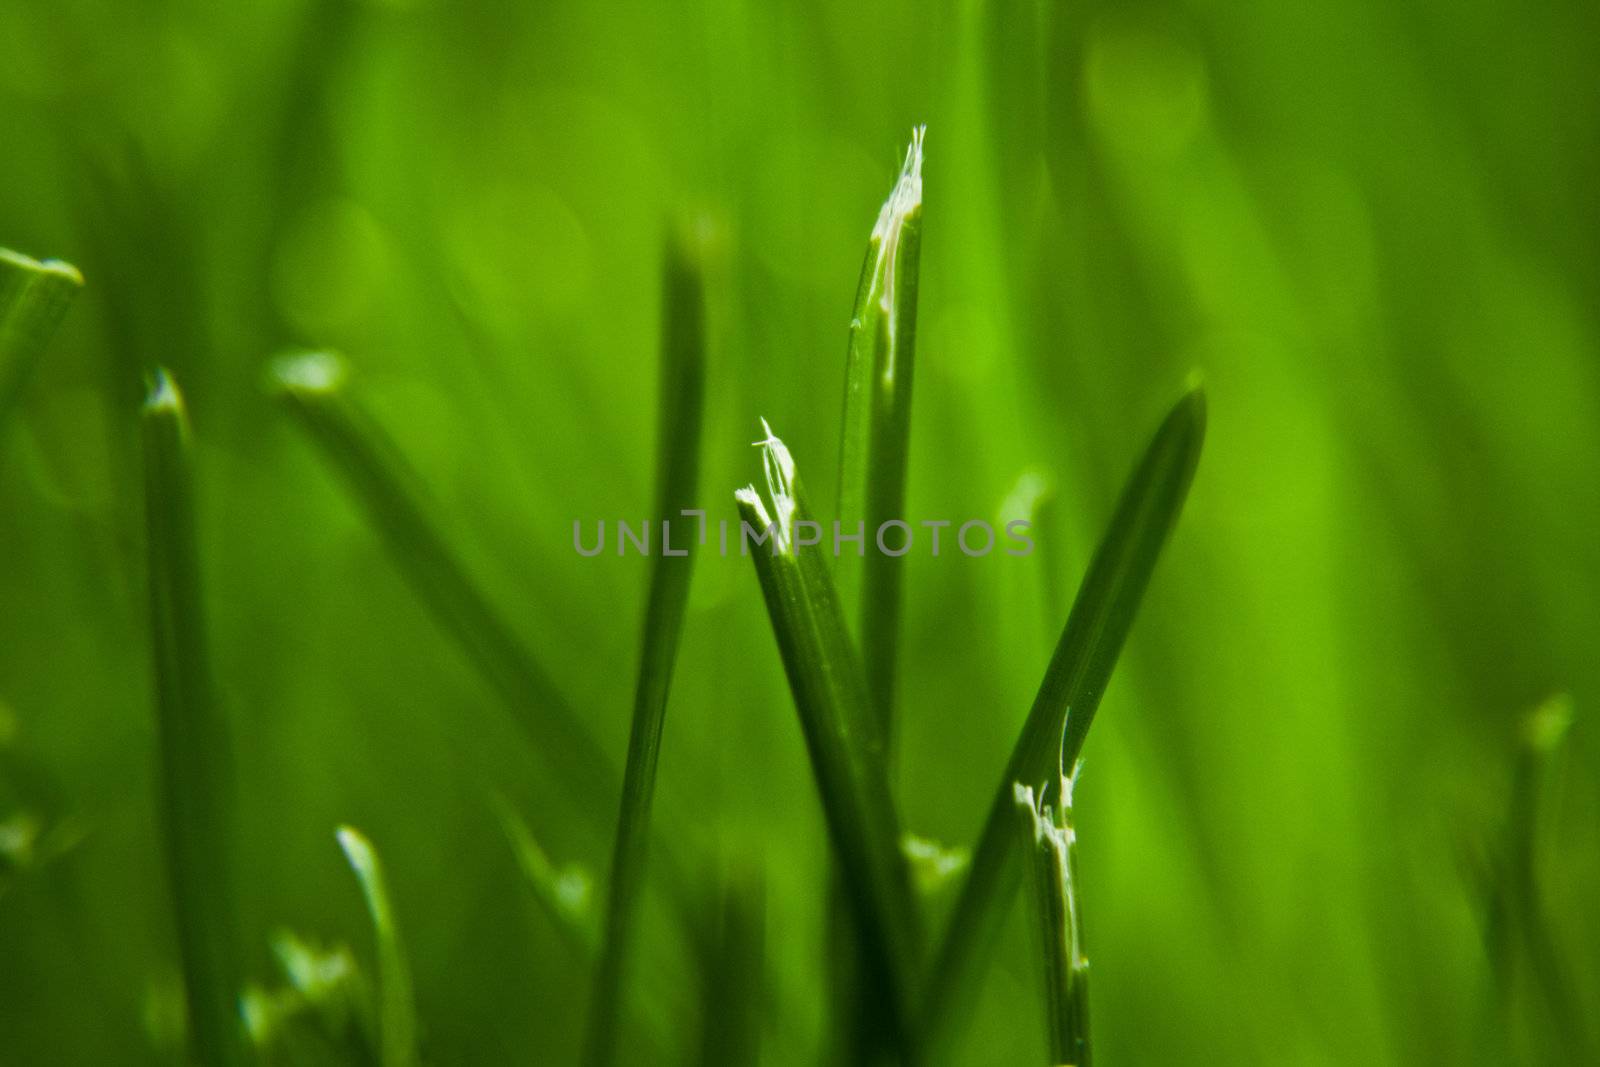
(1371, 225)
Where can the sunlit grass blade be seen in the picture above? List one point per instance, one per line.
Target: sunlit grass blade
(397, 1012)
(838, 722)
(1049, 844)
(195, 772)
(314, 386)
(566, 893)
(33, 298)
(1073, 684)
(681, 402)
(876, 430)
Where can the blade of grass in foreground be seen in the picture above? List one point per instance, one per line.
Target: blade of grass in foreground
(877, 418)
(195, 771)
(33, 298)
(681, 402)
(313, 385)
(845, 749)
(1058, 722)
(397, 1014)
(1050, 845)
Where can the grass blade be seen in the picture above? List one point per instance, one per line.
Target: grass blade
(682, 396)
(313, 385)
(733, 966)
(195, 755)
(33, 298)
(563, 892)
(877, 417)
(846, 750)
(1052, 738)
(1050, 845)
(397, 1013)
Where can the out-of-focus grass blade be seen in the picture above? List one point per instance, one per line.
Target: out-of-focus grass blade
(565, 893)
(1073, 684)
(313, 385)
(1050, 847)
(33, 298)
(195, 770)
(733, 964)
(839, 726)
(681, 402)
(397, 1013)
(876, 430)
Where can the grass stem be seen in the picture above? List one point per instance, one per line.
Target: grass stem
(33, 298)
(397, 1012)
(195, 771)
(681, 403)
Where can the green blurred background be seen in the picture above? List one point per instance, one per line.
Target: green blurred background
(1372, 225)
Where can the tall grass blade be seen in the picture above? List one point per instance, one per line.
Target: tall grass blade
(314, 386)
(195, 772)
(1049, 844)
(33, 298)
(734, 979)
(1073, 684)
(877, 418)
(839, 725)
(681, 403)
(397, 1013)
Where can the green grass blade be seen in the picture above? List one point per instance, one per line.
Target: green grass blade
(397, 1013)
(33, 298)
(195, 772)
(681, 403)
(314, 386)
(565, 893)
(846, 752)
(733, 966)
(877, 418)
(1073, 684)
(1049, 844)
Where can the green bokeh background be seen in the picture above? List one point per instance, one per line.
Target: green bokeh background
(1372, 225)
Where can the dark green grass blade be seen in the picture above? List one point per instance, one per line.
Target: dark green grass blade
(846, 752)
(313, 385)
(876, 429)
(1073, 684)
(33, 298)
(195, 776)
(733, 966)
(682, 400)
(397, 1013)
(1049, 845)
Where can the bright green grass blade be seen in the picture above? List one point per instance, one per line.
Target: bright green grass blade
(1049, 844)
(877, 419)
(397, 1013)
(1073, 684)
(846, 750)
(33, 298)
(314, 386)
(681, 403)
(195, 772)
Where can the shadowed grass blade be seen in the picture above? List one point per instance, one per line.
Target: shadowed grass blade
(397, 1013)
(195, 772)
(33, 298)
(1052, 738)
(565, 893)
(877, 419)
(313, 385)
(733, 965)
(836, 718)
(1049, 843)
(681, 400)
